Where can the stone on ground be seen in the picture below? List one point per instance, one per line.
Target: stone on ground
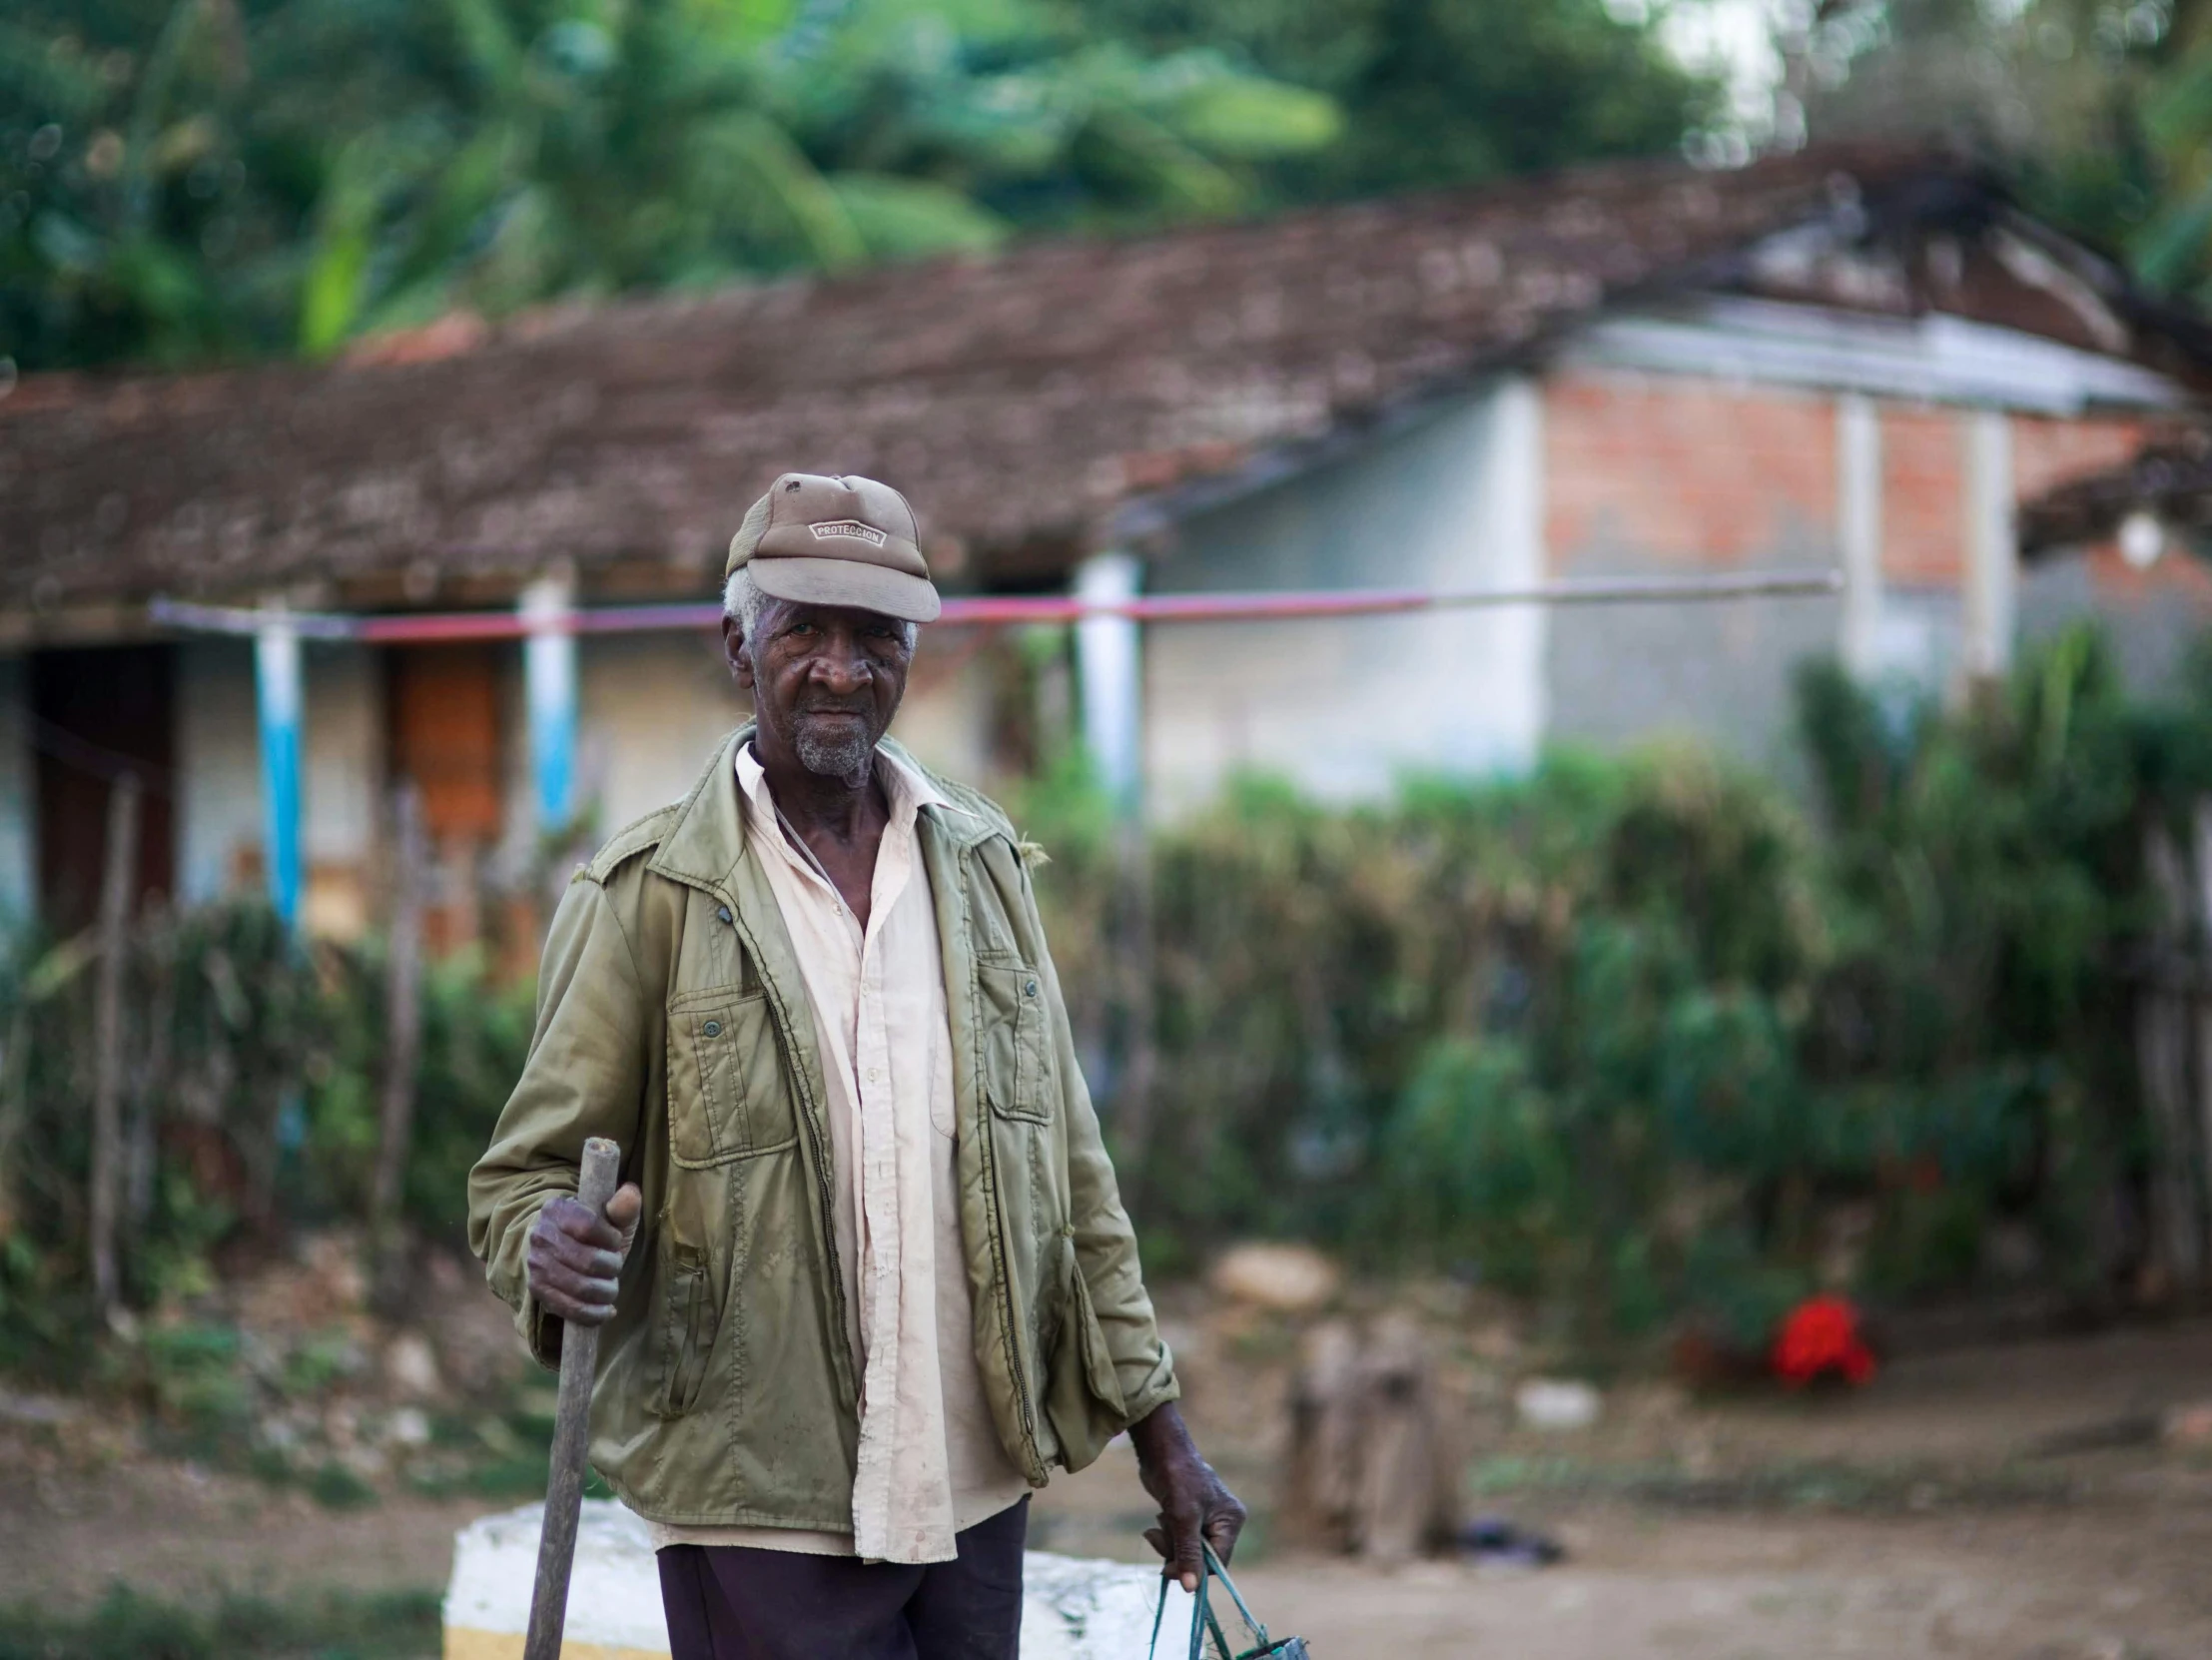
(1289, 1279)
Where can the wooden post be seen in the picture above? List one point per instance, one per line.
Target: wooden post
(2177, 1232)
(403, 1014)
(1322, 1479)
(2200, 1027)
(107, 1087)
(565, 1481)
(1372, 1469)
(15, 1081)
(150, 1079)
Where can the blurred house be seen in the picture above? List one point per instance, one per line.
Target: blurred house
(1861, 359)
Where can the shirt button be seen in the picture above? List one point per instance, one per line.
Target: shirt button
(871, 1075)
(712, 1029)
(723, 912)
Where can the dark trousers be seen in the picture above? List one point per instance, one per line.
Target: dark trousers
(729, 1602)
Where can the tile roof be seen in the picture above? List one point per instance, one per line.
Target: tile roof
(1030, 404)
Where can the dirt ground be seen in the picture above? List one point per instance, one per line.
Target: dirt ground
(2014, 1503)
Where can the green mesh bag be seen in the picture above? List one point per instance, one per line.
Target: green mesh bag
(1206, 1623)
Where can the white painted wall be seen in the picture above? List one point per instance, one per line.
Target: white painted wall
(649, 708)
(345, 751)
(343, 785)
(652, 707)
(1347, 706)
(219, 811)
(18, 776)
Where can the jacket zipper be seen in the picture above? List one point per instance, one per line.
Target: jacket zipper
(997, 1233)
(1006, 1306)
(823, 1191)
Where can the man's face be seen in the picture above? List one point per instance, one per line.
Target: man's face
(825, 679)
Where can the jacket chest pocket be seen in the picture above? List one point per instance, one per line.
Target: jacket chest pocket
(1017, 1047)
(726, 1092)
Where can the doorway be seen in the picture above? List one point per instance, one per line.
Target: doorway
(442, 731)
(96, 712)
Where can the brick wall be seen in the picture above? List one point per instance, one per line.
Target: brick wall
(1674, 471)
(1649, 473)
(1681, 472)
(1924, 511)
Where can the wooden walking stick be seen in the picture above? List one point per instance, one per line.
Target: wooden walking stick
(564, 1484)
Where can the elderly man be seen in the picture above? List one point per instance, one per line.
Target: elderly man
(867, 1278)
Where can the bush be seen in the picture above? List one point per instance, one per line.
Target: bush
(253, 1074)
(128, 1626)
(1646, 1037)
(1640, 1038)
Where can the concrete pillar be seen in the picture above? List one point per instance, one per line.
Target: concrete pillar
(278, 699)
(1991, 597)
(550, 694)
(18, 795)
(1510, 515)
(1110, 679)
(1859, 531)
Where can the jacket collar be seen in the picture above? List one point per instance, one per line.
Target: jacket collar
(707, 843)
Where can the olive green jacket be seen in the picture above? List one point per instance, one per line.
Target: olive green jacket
(672, 1019)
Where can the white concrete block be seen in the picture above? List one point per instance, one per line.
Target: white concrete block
(1071, 1609)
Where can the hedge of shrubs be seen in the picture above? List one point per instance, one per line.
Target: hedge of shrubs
(1639, 1039)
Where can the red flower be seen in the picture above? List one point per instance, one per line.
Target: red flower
(1822, 1336)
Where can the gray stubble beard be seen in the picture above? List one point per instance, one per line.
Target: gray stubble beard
(848, 759)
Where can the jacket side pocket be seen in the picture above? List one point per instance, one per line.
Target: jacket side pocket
(1083, 1396)
(686, 1330)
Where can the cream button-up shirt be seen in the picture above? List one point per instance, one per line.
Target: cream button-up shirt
(930, 1461)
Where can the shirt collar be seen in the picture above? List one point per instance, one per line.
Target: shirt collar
(907, 786)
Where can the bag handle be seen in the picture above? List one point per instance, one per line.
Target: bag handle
(1202, 1617)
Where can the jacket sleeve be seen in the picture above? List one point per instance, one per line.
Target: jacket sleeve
(585, 1077)
(1105, 1244)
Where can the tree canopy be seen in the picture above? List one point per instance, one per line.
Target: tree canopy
(1445, 92)
(190, 179)
(2102, 109)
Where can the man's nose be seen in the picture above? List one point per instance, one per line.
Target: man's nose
(841, 665)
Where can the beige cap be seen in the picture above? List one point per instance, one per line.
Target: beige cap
(836, 541)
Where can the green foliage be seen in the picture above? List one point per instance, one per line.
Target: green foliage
(1445, 92)
(253, 1069)
(1641, 1039)
(475, 1035)
(128, 1626)
(1481, 1174)
(2100, 110)
(184, 178)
